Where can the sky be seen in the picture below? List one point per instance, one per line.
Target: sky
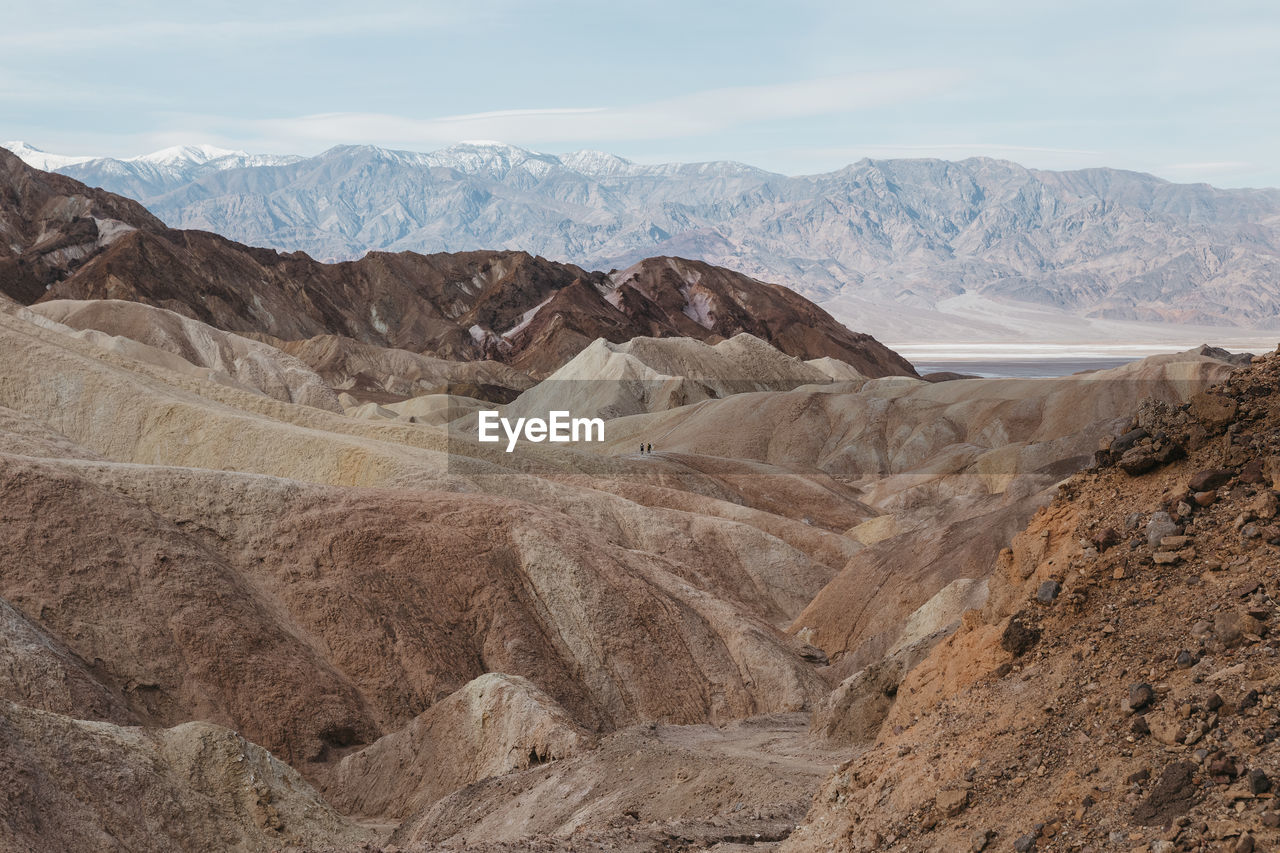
(1189, 91)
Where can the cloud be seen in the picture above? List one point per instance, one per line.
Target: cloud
(1213, 166)
(900, 150)
(694, 114)
(815, 159)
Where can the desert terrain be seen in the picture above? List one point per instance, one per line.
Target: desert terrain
(264, 588)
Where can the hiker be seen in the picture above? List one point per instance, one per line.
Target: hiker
(650, 448)
(642, 448)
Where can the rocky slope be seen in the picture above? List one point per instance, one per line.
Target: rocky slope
(495, 725)
(1116, 691)
(528, 312)
(648, 375)
(650, 787)
(909, 234)
(75, 785)
(344, 670)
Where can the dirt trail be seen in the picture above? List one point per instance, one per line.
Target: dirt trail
(648, 787)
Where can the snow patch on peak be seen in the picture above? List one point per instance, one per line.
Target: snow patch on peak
(161, 171)
(487, 143)
(43, 160)
(188, 157)
(496, 159)
(588, 162)
(178, 155)
(177, 162)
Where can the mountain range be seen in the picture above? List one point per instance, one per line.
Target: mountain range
(974, 250)
(67, 241)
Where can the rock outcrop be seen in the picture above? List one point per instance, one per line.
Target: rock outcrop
(379, 374)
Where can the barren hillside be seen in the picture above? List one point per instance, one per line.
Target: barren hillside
(1116, 691)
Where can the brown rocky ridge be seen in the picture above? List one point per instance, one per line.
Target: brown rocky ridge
(49, 225)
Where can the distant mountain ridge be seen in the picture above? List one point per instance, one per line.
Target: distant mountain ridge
(909, 237)
(148, 175)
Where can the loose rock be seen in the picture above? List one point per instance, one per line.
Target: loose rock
(1140, 696)
(1160, 526)
(981, 840)
(1128, 440)
(1173, 795)
(1213, 410)
(1105, 538)
(951, 803)
(1209, 478)
(1231, 627)
(1048, 591)
(1019, 636)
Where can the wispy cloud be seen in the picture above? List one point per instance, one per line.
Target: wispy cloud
(687, 115)
(976, 146)
(1219, 166)
(821, 159)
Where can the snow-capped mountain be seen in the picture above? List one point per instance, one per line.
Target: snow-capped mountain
(490, 158)
(179, 156)
(33, 156)
(148, 175)
(977, 249)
